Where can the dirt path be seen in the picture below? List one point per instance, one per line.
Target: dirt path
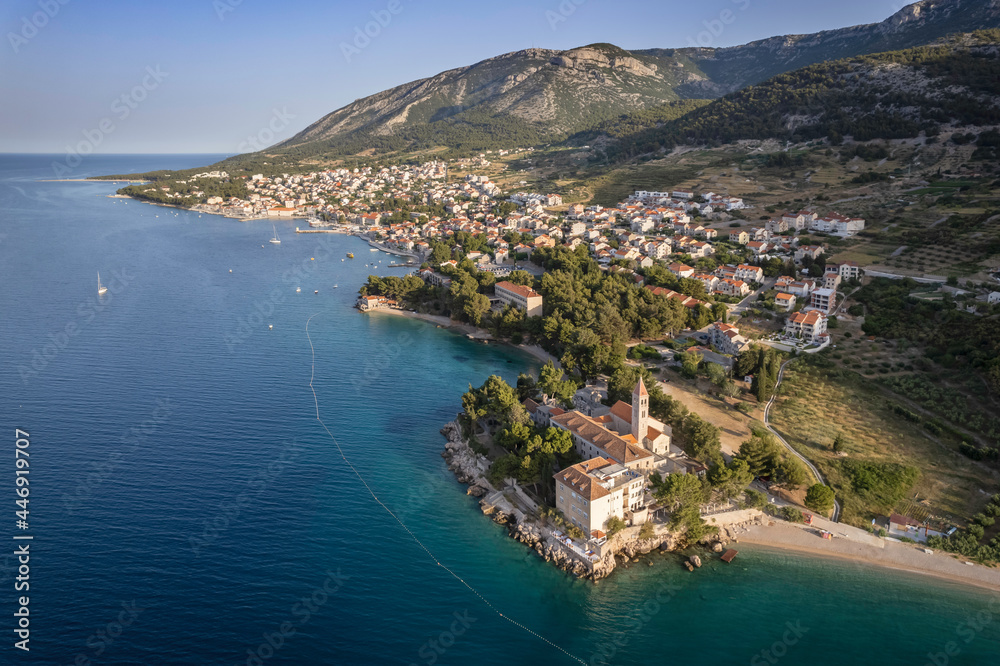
(734, 426)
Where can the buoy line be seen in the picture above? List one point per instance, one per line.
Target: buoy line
(413, 536)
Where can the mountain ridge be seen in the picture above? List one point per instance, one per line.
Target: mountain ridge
(538, 95)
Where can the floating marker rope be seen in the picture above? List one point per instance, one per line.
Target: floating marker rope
(413, 536)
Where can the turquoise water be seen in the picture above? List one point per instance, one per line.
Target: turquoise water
(229, 504)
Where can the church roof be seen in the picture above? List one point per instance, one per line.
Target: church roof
(622, 410)
(612, 444)
(640, 388)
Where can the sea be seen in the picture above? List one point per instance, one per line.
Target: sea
(186, 506)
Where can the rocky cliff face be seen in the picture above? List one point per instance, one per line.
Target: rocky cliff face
(556, 93)
(734, 68)
(555, 89)
(624, 549)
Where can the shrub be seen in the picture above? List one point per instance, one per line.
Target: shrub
(614, 525)
(819, 498)
(647, 531)
(744, 408)
(754, 499)
(792, 515)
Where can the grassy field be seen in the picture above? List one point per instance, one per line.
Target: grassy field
(656, 176)
(816, 405)
(719, 411)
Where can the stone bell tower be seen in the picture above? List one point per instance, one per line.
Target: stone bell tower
(640, 412)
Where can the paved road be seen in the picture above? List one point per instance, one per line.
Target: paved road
(767, 424)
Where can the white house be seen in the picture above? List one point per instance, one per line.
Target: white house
(727, 339)
(809, 326)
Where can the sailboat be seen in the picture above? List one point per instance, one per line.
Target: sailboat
(275, 240)
(101, 289)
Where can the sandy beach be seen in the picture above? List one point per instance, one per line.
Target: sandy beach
(539, 353)
(858, 545)
(444, 322)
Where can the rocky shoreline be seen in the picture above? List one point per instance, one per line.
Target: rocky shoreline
(624, 548)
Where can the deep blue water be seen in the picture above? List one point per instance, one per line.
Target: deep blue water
(228, 503)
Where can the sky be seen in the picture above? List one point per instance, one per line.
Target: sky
(232, 76)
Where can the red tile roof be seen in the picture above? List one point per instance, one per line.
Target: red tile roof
(518, 289)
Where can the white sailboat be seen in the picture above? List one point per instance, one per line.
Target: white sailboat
(101, 289)
(275, 240)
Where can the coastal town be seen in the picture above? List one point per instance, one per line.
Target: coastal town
(674, 229)
(550, 333)
(736, 284)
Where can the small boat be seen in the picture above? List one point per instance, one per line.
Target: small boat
(298, 289)
(350, 255)
(270, 326)
(316, 292)
(335, 286)
(275, 240)
(230, 270)
(373, 250)
(101, 289)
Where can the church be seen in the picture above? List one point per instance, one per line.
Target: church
(627, 434)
